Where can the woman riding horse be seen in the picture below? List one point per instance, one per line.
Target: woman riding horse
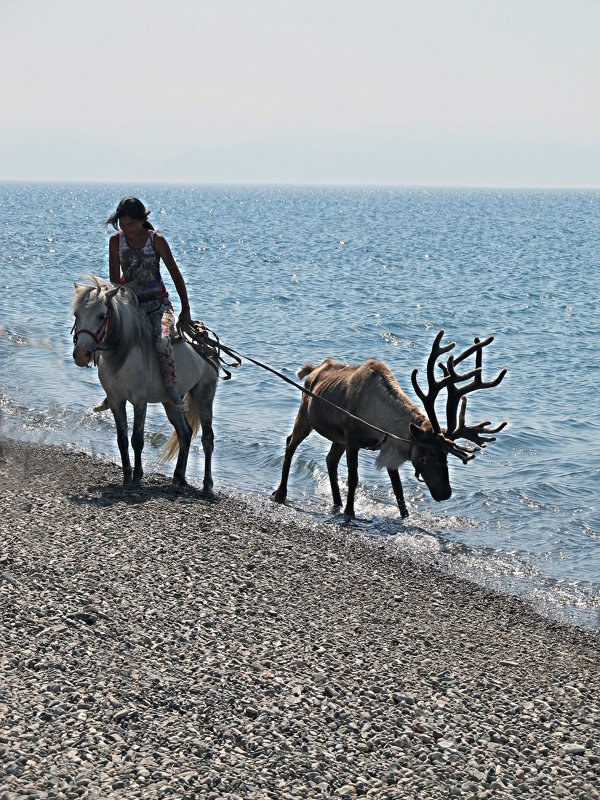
(112, 332)
(134, 255)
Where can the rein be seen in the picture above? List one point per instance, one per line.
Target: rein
(207, 344)
(447, 444)
(199, 336)
(386, 434)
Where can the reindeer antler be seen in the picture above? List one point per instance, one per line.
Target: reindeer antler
(433, 387)
(457, 394)
(474, 432)
(455, 384)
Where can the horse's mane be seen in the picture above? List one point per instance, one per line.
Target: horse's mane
(128, 325)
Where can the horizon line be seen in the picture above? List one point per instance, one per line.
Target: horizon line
(305, 184)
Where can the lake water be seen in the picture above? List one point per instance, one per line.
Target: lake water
(287, 275)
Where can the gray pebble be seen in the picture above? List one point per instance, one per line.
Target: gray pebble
(163, 646)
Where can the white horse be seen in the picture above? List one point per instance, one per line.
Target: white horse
(111, 331)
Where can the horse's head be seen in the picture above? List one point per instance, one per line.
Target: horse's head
(93, 311)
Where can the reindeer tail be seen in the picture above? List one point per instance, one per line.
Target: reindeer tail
(305, 370)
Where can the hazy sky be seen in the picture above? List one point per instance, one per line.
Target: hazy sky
(418, 92)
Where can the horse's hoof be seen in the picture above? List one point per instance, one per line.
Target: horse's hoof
(278, 497)
(207, 493)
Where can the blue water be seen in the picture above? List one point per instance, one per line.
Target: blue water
(289, 275)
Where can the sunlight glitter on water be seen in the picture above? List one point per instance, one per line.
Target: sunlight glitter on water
(266, 271)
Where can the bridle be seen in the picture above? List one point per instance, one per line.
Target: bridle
(100, 335)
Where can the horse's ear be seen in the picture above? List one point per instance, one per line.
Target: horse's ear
(110, 294)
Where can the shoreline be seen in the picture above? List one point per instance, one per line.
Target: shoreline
(156, 644)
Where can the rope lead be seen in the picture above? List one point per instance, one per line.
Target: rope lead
(206, 343)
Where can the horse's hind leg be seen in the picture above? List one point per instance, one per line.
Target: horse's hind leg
(203, 394)
(184, 438)
(120, 416)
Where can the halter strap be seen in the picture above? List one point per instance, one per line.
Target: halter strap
(99, 336)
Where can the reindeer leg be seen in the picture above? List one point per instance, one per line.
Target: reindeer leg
(352, 461)
(299, 433)
(398, 491)
(120, 416)
(336, 451)
(137, 442)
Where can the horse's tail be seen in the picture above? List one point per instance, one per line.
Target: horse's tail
(171, 447)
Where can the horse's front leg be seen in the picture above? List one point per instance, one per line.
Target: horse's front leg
(137, 441)
(119, 413)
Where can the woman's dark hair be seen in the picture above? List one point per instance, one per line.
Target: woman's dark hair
(133, 208)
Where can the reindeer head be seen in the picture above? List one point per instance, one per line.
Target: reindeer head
(430, 461)
(432, 442)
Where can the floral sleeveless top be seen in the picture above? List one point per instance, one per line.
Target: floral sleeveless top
(141, 269)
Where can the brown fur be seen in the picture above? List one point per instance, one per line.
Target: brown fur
(370, 393)
(366, 408)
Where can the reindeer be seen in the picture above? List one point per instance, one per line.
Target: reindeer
(363, 407)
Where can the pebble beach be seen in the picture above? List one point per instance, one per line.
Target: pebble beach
(155, 644)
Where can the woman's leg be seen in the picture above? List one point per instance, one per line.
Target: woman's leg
(102, 405)
(163, 323)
